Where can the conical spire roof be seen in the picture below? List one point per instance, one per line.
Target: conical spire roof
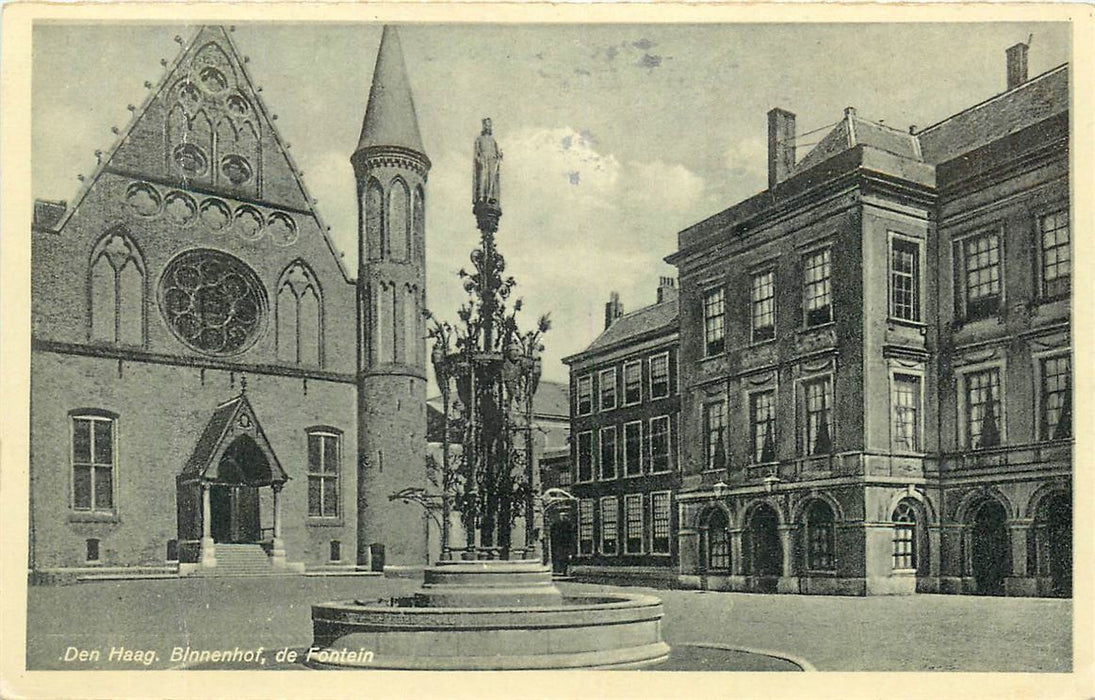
(390, 118)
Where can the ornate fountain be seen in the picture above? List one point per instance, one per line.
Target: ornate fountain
(490, 603)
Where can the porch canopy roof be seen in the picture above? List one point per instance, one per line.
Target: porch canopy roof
(233, 449)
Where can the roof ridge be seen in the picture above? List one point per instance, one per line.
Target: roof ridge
(995, 97)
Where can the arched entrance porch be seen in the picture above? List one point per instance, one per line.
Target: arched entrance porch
(218, 491)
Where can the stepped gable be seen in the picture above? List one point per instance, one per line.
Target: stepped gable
(205, 127)
(390, 118)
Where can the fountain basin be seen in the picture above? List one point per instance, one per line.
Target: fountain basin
(606, 631)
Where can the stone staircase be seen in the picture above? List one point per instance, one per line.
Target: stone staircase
(242, 560)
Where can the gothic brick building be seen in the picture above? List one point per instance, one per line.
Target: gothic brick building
(875, 359)
(208, 382)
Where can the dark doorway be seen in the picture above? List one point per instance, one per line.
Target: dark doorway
(1055, 527)
(234, 513)
(562, 545)
(765, 552)
(991, 556)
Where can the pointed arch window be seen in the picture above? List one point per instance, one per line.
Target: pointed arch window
(385, 327)
(399, 220)
(410, 325)
(374, 220)
(299, 316)
(116, 291)
(418, 227)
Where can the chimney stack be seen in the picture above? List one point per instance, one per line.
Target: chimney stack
(613, 309)
(781, 145)
(667, 289)
(1017, 65)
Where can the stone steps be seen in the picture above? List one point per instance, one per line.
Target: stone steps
(242, 560)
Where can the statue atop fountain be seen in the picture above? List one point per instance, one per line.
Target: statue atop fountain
(490, 602)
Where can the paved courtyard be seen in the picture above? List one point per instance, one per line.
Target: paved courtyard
(150, 619)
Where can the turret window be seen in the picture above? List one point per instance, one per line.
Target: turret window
(399, 220)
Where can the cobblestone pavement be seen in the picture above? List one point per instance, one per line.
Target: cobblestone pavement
(156, 619)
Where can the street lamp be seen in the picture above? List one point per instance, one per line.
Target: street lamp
(720, 488)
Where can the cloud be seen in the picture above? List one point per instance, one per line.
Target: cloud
(747, 160)
(577, 224)
(650, 61)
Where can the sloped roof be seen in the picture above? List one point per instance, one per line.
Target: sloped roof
(852, 131)
(139, 148)
(230, 420)
(1026, 104)
(637, 323)
(552, 399)
(390, 118)
(211, 437)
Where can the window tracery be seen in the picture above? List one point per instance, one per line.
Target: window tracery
(116, 290)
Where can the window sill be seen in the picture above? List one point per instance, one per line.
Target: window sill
(317, 521)
(894, 321)
(659, 397)
(904, 572)
(817, 326)
(93, 517)
(824, 573)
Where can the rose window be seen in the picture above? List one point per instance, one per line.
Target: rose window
(212, 302)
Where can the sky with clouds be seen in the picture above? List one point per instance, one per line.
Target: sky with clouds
(615, 136)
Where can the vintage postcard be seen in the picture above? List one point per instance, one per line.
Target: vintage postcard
(492, 348)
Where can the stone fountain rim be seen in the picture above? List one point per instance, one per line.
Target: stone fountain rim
(619, 601)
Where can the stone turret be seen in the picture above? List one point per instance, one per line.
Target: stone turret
(390, 166)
